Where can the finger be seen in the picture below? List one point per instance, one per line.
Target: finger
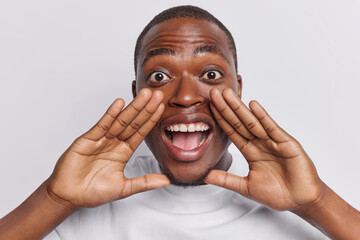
(270, 126)
(102, 126)
(244, 114)
(144, 183)
(143, 116)
(144, 130)
(235, 137)
(129, 113)
(224, 109)
(227, 180)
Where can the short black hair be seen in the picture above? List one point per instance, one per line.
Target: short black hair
(186, 11)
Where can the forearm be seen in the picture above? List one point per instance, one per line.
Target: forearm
(35, 217)
(333, 216)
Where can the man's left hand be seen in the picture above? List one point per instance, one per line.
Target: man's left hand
(281, 175)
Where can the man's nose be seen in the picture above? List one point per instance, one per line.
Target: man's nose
(187, 93)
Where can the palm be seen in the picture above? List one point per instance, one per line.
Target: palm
(281, 174)
(97, 171)
(91, 171)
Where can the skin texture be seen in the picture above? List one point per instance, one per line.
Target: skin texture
(281, 175)
(90, 172)
(274, 157)
(186, 89)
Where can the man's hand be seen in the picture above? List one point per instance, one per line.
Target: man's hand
(281, 174)
(91, 171)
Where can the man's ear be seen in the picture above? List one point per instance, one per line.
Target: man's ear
(133, 88)
(239, 86)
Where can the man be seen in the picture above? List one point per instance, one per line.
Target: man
(187, 107)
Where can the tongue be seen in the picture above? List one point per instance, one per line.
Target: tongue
(186, 140)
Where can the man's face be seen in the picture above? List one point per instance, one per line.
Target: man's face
(185, 59)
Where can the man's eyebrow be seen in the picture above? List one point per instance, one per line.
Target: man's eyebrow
(156, 52)
(210, 49)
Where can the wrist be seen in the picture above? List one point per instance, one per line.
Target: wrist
(332, 215)
(35, 217)
(56, 200)
(314, 205)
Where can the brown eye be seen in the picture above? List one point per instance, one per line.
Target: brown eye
(158, 77)
(212, 75)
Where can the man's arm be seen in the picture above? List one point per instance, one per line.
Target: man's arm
(91, 170)
(35, 217)
(281, 174)
(332, 215)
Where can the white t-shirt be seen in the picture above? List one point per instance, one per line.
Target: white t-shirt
(203, 212)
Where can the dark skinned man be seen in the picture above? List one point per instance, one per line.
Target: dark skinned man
(187, 106)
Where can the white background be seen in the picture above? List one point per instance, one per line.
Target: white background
(63, 62)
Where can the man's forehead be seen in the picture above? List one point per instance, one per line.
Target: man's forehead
(176, 33)
(177, 36)
(196, 51)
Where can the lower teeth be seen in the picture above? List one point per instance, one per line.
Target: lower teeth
(202, 141)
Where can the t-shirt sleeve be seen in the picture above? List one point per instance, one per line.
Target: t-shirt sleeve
(67, 229)
(320, 235)
(54, 235)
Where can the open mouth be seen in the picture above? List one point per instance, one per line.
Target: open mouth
(187, 136)
(187, 141)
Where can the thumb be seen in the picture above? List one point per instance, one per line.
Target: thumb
(144, 183)
(230, 181)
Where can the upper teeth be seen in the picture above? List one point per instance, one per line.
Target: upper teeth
(192, 127)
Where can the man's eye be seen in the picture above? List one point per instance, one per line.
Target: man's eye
(158, 77)
(212, 75)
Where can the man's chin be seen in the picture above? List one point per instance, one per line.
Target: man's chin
(186, 183)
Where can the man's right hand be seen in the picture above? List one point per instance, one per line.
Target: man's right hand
(91, 171)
